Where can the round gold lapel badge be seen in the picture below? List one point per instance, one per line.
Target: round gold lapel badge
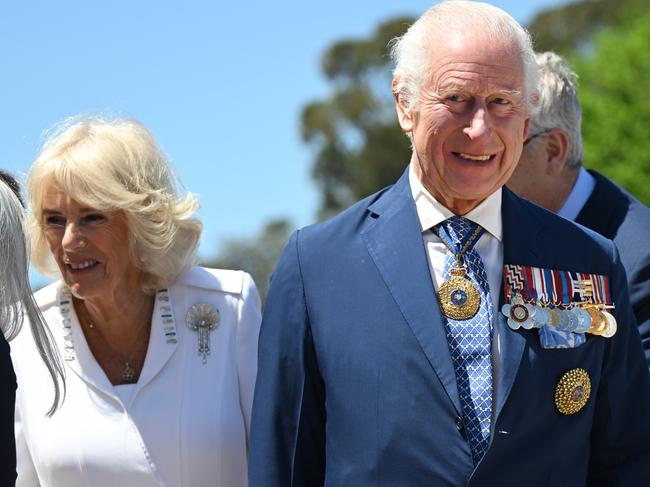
(573, 391)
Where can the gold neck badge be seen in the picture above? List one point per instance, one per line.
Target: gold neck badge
(458, 296)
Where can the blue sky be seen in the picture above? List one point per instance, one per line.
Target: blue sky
(220, 84)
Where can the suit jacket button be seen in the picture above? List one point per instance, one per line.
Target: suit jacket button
(459, 423)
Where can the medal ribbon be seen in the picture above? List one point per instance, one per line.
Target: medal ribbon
(601, 289)
(540, 285)
(553, 286)
(458, 248)
(513, 280)
(550, 285)
(528, 272)
(567, 290)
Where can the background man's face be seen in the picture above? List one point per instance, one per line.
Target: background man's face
(471, 121)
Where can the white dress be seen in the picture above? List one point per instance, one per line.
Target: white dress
(185, 422)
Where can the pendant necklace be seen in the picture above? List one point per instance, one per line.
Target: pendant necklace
(128, 375)
(458, 296)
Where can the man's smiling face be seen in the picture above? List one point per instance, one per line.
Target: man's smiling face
(470, 122)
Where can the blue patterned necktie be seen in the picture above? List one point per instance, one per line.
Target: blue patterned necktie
(470, 339)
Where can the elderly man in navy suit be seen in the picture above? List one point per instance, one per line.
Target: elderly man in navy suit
(550, 173)
(444, 332)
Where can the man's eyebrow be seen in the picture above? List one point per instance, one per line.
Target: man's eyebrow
(447, 88)
(454, 88)
(510, 93)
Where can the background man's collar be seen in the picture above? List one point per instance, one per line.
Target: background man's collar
(578, 196)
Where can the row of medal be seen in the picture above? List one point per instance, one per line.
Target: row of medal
(570, 302)
(580, 317)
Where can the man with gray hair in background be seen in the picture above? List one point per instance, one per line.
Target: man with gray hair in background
(550, 173)
(444, 331)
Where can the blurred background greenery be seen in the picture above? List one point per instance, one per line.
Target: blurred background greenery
(359, 148)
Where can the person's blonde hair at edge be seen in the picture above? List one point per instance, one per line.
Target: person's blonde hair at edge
(115, 164)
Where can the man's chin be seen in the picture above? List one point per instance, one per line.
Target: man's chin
(473, 192)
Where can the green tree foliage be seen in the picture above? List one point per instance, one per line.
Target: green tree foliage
(616, 110)
(571, 27)
(258, 255)
(359, 147)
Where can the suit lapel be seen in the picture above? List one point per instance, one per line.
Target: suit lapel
(397, 249)
(163, 340)
(77, 354)
(402, 263)
(520, 236)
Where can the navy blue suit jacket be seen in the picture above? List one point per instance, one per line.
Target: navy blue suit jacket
(620, 217)
(356, 386)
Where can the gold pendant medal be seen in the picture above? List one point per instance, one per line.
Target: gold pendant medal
(598, 321)
(459, 299)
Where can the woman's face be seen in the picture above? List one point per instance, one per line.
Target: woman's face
(91, 247)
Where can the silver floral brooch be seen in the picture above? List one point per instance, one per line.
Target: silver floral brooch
(203, 318)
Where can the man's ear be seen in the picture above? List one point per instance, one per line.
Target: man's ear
(404, 114)
(526, 128)
(557, 151)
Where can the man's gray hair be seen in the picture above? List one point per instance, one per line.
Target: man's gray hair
(412, 52)
(559, 106)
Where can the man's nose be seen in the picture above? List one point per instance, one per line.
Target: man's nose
(480, 124)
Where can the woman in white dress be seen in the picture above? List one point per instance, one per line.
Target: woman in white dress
(160, 356)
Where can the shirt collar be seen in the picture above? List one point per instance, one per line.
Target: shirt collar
(431, 212)
(578, 196)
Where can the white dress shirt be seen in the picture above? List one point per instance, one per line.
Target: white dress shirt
(489, 246)
(185, 423)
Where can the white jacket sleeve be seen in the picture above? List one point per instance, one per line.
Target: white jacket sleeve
(248, 330)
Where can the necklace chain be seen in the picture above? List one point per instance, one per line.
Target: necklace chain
(128, 374)
(461, 253)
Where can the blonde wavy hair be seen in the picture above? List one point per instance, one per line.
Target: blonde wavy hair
(115, 164)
